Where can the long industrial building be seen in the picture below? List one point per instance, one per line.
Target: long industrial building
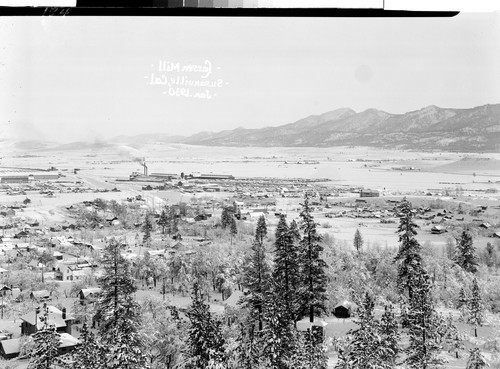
(12, 175)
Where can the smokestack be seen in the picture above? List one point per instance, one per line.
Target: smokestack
(64, 313)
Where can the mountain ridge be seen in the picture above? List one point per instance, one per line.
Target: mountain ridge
(429, 128)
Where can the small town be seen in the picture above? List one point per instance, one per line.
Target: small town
(319, 190)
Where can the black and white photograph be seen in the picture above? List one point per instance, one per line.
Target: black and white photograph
(217, 192)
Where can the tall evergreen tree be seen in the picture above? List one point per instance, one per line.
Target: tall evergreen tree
(306, 353)
(463, 304)
(358, 241)
(226, 217)
(409, 249)
(389, 336)
(286, 272)
(373, 344)
(261, 230)
(366, 348)
(118, 312)
(89, 354)
(475, 306)
(249, 346)
(279, 333)
(205, 340)
(147, 228)
(423, 323)
(47, 342)
(294, 231)
(163, 221)
(257, 275)
(465, 255)
(313, 291)
(476, 359)
(234, 229)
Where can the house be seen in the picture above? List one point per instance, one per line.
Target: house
(33, 320)
(344, 309)
(71, 272)
(438, 229)
(40, 295)
(485, 225)
(11, 348)
(22, 235)
(89, 295)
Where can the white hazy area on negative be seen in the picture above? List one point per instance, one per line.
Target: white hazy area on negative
(85, 79)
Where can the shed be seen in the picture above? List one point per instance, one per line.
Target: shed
(10, 348)
(41, 295)
(438, 229)
(343, 309)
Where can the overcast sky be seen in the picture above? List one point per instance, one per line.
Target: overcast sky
(71, 78)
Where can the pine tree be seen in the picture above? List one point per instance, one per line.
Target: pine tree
(248, 346)
(226, 217)
(234, 229)
(463, 304)
(46, 344)
(423, 349)
(147, 228)
(205, 341)
(455, 342)
(118, 312)
(475, 306)
(286, 272)
(257, 275)
(366, 348)
(476, 359)
(279, 337)
(358, 241)
(261, 230)
(490, 254)
(163, 222)
(294, 231)
(389, 336)
(313, 291)
(409, 249)
(306, 353)
(89, 354)
(465, 255)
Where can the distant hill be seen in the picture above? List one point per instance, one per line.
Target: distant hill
(468, 165)
(430, 128)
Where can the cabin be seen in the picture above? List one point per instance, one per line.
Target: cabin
(343, 309)
(40, 296)
(89, 295)
(9, 349)
(438, 229)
